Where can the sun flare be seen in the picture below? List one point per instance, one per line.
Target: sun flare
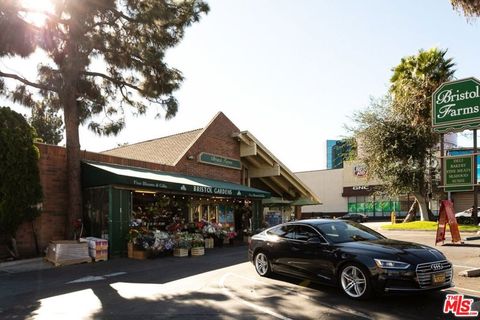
(38, 8)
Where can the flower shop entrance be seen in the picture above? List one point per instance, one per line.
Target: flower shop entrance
(153, 208)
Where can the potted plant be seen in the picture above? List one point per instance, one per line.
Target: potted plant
(231, 235)
(198, 245)
(209, 234)
(183, 243)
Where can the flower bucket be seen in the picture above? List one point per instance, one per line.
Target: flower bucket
(180, 252)
(136, 254)
(208, 243)
(198, 251)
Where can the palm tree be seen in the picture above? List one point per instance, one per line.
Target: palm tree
(412, 85)
(415, 79)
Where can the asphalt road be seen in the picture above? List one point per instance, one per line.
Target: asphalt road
(219, 285)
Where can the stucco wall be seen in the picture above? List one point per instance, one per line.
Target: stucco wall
(328, 186)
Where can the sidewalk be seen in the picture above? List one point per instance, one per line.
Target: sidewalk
(25, 265)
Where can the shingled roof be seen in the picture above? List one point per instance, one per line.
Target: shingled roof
(165, 150)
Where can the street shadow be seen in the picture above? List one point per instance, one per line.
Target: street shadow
(426, 305)
(29, 288)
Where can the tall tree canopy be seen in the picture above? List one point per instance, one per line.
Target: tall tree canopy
(47, 123)
(471, 8)
(104, 56)
(395, 132)
(20, 187)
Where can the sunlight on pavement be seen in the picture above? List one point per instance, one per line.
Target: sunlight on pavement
(75, 305)
(153, 292)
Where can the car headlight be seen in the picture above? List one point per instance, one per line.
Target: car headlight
(389, 264)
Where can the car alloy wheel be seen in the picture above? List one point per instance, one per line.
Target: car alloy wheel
(354, 282)
(262, 265)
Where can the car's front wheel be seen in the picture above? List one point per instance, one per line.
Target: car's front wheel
(262, 264)
(355, 282)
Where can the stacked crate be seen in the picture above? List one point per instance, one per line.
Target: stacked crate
(97, 248)
(66, 252)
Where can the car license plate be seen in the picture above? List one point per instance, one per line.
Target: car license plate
(438, 278)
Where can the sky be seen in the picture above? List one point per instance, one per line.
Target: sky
(293, 73)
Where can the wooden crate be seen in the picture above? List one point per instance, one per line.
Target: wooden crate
(198, 251)
(208, 243)
(180, 252)
(136, 254)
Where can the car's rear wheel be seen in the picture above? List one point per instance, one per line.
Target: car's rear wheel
(355, 282)
(262, 264)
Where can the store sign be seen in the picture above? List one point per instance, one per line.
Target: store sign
(458, 175)
(216, 160)
(149, 184)
(360, 170)
(456, 105)
(357, 191)
(205, 190)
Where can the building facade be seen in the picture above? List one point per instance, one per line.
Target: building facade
(349, 190)
(217, 173)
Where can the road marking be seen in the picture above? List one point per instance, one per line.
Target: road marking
(465, 289)
(114, 274)
(87, 279)
(293, 291)
(249, 304)
(97, 278)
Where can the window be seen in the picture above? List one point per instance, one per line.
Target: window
(287, 232)
(305, 232)
(339, 232)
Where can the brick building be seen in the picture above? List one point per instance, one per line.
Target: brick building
(211, 169)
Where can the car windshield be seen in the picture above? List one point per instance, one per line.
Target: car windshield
(346, 231)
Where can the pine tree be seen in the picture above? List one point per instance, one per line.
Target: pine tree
(104, 56)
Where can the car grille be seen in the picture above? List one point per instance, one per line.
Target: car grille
(426, 270)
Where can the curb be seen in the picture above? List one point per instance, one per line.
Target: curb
(470, 273)
(422, 230)
(21, 261)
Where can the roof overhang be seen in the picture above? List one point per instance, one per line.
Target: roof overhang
(100, 174)
(263, 165)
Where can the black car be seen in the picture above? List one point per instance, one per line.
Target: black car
(350, 255)
(357, 217)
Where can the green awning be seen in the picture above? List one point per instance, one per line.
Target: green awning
(304, 202)
(100, 174)
(275, 202)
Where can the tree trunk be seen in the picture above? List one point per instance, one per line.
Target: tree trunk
(412, 212)
(422, 204)
(71, 76)
(73, 164)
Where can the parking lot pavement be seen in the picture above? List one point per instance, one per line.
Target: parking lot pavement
(219, 285)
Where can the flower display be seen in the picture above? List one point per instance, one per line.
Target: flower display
(198, 241)
(231, 234)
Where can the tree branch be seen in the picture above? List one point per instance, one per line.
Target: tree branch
(45, 13)
(122, 15)
(116, 81)
(27, 82)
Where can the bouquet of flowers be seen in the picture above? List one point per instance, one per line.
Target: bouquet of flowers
(198, 241)
(209, 230)
(231, 234)
(183, 240)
